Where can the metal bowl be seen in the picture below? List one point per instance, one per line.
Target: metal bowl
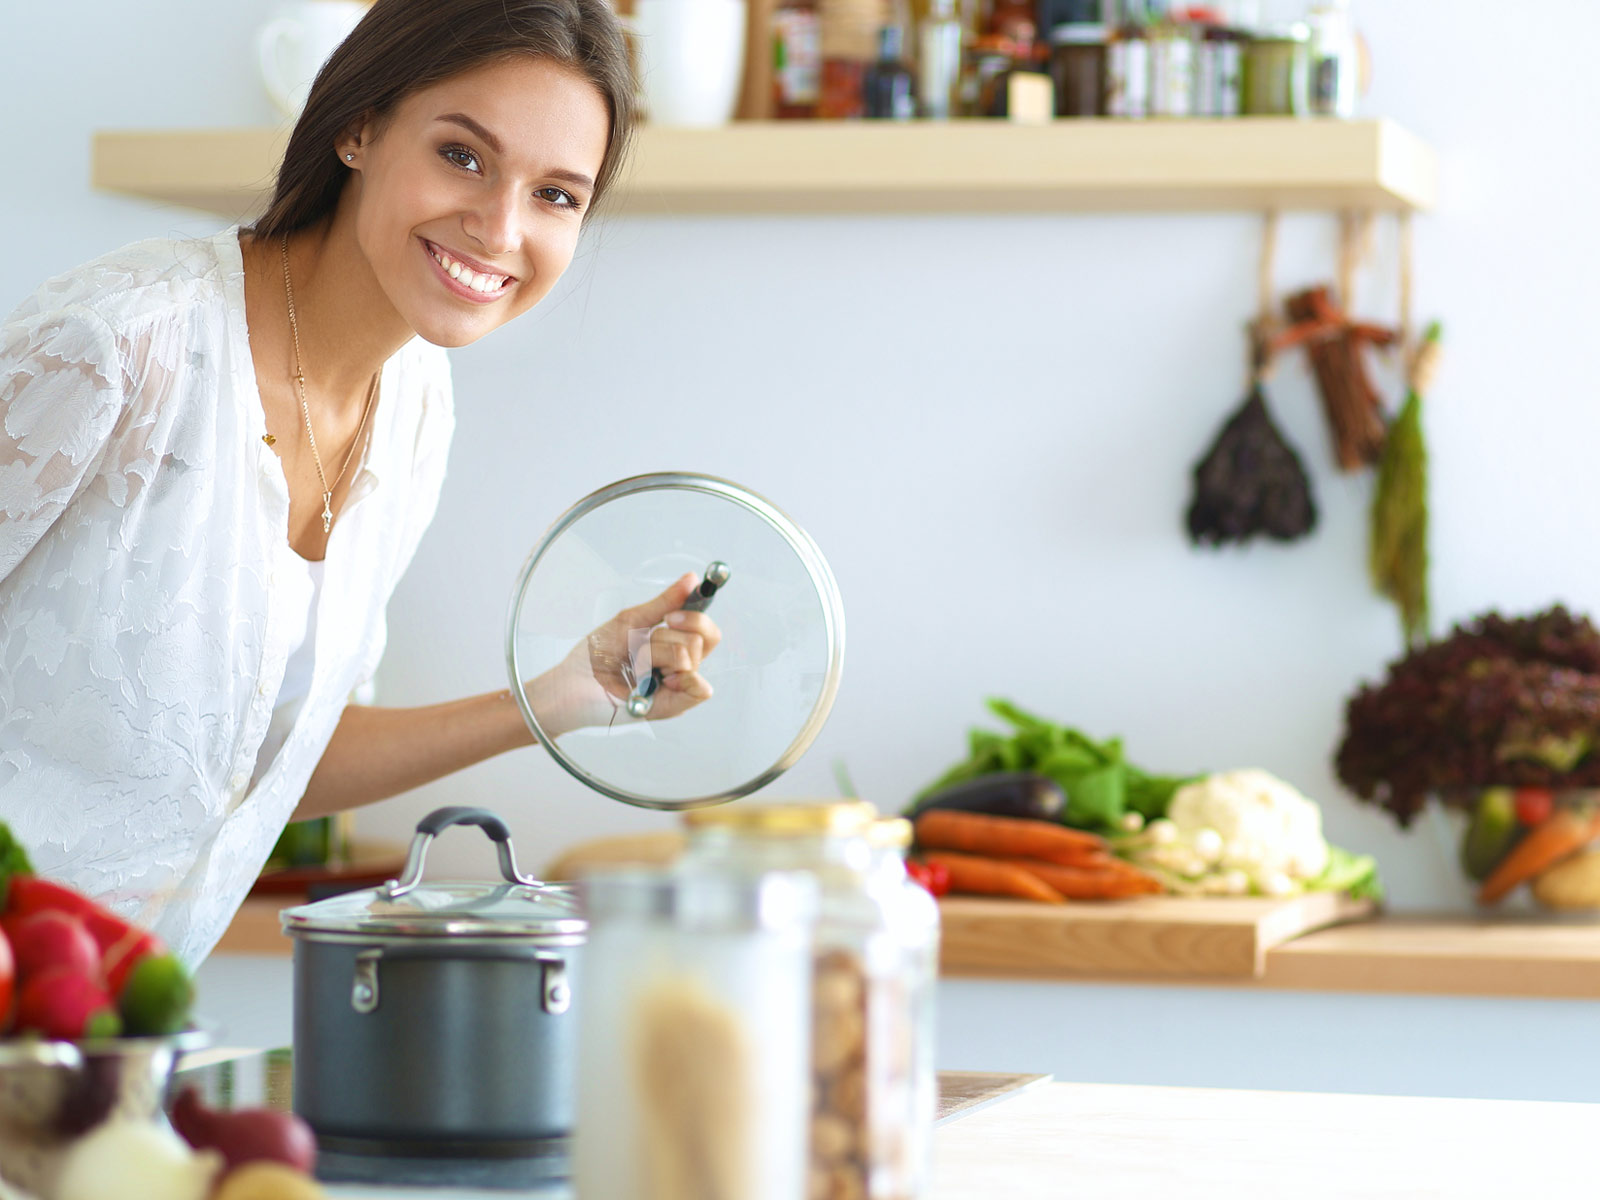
(54, 1092)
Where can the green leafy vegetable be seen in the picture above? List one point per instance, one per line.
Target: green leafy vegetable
(1101, 786)
(1355, 874)
(13, 860)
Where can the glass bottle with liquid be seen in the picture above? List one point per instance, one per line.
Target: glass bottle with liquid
(939, 50)
(889, 90)
(796, 59)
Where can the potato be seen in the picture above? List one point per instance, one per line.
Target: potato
(268, 1181)
(1573, 883)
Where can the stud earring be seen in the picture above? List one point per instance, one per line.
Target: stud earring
(349, 158)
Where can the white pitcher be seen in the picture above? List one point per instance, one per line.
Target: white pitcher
(691, 59)
(294, 45)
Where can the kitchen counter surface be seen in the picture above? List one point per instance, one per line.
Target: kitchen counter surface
(1400, 954)
(1140, 1142)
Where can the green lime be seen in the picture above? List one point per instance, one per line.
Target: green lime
(157, 997)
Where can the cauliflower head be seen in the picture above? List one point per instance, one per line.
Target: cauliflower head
(1266, 825)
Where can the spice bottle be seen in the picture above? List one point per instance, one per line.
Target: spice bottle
(796, 59)
(694, 1042)
(1172, 69)
(1128, 69)
(939, 50)
(1334, 60)
(876, 947)
(1219, 72)
(889, 90)
(849, 45)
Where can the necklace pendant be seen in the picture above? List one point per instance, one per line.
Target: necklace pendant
(327, 511)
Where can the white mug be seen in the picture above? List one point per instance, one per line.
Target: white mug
(295, 44)
(691, 59)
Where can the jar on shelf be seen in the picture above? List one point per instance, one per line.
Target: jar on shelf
(1172, 69)
(873, 1089)
(1277, 72)
(694, 1046)
(1219, 76)
(1128, 72)
(849, 40)
(1078, 66)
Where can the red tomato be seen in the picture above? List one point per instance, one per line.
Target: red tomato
(935, 877)
(1534, 805)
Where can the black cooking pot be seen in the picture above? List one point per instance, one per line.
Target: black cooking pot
(434, 1019)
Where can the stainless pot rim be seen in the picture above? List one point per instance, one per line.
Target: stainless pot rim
(441, 935)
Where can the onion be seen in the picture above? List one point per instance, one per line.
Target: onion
(135, 1160)
(247, 1135)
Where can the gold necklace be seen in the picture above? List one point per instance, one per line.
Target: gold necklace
(305, 409)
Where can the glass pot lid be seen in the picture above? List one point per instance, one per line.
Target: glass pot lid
(408, 908)
(584, 632)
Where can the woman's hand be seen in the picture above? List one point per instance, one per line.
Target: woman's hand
(591, 686)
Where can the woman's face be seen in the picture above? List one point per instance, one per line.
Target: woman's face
(472, 195)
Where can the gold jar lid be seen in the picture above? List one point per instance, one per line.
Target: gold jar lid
(841, 818)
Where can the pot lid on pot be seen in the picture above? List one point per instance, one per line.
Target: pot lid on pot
(586, 684)
(519, 907)
(445, 910)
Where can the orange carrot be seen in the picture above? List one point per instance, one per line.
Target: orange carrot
(1113, 881)
(978, 876)
(1562, 834)
(1006, 837)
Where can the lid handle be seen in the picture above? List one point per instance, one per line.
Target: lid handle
(643, 696)
(435, 823)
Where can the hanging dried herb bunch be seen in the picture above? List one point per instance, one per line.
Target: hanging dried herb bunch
(1398, 555)
(1251, 482)
(1334, 342)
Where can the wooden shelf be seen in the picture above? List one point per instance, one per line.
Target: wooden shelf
(1446, 956)
(916, 167)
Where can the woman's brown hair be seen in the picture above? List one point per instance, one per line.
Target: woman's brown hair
(402, 46)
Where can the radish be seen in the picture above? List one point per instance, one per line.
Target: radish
(43, 940)
(61, 1004)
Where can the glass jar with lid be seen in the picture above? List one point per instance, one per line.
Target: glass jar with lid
(694, 1048)
(876, 959)
(1277, 72)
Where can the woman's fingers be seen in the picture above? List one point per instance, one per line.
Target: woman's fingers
(699, 623)
(691, 684)
(675, 650)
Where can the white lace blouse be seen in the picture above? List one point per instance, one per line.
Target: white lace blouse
(146, 597)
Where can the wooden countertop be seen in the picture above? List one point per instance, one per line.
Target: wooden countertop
(1390, 954)
(1107, 1141)
(1143, 1143)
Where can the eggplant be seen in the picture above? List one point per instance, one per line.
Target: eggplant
(1010, 794)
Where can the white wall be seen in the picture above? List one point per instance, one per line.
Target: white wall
(986, 422)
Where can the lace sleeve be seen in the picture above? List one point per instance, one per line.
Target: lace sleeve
(61, 394)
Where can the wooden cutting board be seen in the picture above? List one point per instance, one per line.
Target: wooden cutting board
(962, 1093)
(1150, 937)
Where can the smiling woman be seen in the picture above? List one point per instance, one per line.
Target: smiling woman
(217, 457)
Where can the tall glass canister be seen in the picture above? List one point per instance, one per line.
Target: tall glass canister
(694, 1049)
(873, 1088)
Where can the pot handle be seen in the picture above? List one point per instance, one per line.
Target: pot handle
(435, 823)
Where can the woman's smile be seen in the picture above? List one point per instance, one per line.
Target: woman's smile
(467, 278)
